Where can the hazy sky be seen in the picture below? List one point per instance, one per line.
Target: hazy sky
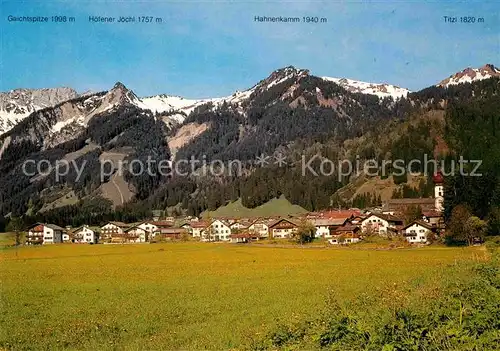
(207, 49)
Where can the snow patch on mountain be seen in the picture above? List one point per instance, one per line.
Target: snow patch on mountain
(17, 104)
(379, 89)
(470, 75)
(80, 120)
(179, 107)
(167, 103)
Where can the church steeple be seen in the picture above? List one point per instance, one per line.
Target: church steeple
(438, 179)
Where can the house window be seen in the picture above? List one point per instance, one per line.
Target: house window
(422, 238)
(421, 230)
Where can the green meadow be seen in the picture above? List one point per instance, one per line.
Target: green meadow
(198, 295)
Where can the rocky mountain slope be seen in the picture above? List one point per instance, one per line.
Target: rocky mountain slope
(380, 90)
(20, 103)
(17, 104)
(290, 113)
(469, 75)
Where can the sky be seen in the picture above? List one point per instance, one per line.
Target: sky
(213, 48)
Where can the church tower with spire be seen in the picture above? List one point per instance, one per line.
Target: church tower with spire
(438, 190)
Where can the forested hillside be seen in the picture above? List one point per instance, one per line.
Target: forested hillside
(290, 114)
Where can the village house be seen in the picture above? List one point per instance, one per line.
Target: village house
(347, 229)
(195, 228)
(239, 225)
(346, 234)
(344, 240)
(133, 234)
(216, 231)
(229, 220)
(381, 224)
(111, 229)
(149, 227)
(326, 226)
(84, 234)
(434, 218)
(189, 219)
(334, 214)
(240, 238)
(171, 233)
(260, 227)
(357, 219)
(392, 206)
(417, 232)
(67, 236)
(245, 236)
(283, 228)
(322, 227)
(44, 234)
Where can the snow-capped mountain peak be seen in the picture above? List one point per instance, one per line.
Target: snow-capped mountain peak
(17, 104)
(120, 94)
(469, 75)
(280, 75)
(165, 103)
(379, 89)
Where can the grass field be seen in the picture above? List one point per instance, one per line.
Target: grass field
(192, 295)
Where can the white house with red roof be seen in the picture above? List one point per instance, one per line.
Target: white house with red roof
(216, 231)
(381, 224)
(417, 232)
(261, 227)
(195, 228)
(42, 233)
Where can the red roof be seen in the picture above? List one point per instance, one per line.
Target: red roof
(172, 231)
(246, 235)
(431, 214)
(199, 224)
(438, 178)
(163, 223)
(337, 213)
(347, 228)
(420, 223)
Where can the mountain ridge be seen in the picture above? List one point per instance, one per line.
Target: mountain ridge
(289, 113)
(17, 104)
(469, 75)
